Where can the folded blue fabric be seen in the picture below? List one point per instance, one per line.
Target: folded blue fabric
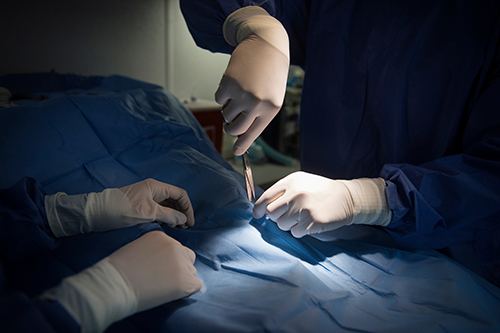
(256, 278)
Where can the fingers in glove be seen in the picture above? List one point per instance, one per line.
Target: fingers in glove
(174, 204)
(240, 112)
(300, 230)
(269, 196)
(305, 228)
(289, 219)
(240, 124)
(245, 140)
(168, 213)
(190, 254)
(290, 215)
(158, 269)
(184, 204)
(234, 108)
(196, 284)
(223, 93)
(277, 209)
(299, 223)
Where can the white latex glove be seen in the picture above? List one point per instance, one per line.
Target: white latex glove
(308, 204)
(253, 86)
(115, 208)
(150, 271)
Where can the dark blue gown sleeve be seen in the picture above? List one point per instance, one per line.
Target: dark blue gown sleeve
(448, 201)
(453, 203)
(457, 197)
(205, 19)
(18, 313)
(24, 231)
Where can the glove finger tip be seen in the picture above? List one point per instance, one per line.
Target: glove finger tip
(298, 232)
(258, 210)
(171, 216)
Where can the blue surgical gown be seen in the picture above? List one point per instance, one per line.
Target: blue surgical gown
(24, 231)
(405, 90)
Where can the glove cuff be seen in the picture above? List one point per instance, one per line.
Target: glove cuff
(235, 19)
(370, 201)
(84, 213)
(253, 20)
(107, 210)
(66, 214)
(96, 297)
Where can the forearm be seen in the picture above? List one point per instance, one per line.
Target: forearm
(18, 313)
(444, 202)
(205, 20)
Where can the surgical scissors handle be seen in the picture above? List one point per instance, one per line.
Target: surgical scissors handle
(247, 170)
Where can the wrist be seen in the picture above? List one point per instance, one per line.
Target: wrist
(370, 201)
(96, 297)
(107, 210)
(253, 20)
(65, 213)
(236, 18)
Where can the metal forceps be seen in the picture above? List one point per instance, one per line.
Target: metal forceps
(247, 170)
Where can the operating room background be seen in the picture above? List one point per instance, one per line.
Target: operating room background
(146, 40)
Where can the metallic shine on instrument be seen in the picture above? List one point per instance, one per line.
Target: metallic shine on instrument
(247, 171)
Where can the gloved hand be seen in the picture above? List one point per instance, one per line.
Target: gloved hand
(307, 204)
(118, 208)
(150, 271)
(253, 86)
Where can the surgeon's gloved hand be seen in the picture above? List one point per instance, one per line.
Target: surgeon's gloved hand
(254, 84)
(308, 204)
(118, 208)
(150, 271)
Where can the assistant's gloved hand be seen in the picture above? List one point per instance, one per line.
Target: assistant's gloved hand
(308, 204)
(254, 84)
(118, 208)
(150, 271)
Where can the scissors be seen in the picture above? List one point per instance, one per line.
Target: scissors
(247, 170)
